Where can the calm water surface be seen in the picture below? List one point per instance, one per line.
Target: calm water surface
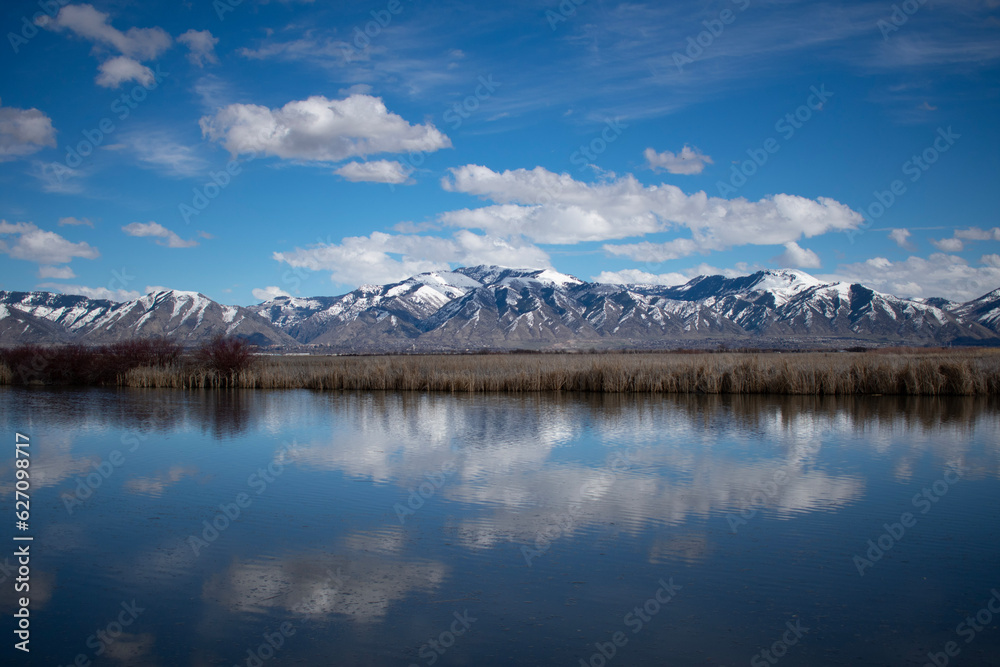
(300, 528)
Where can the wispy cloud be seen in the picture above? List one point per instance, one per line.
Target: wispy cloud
(166, 237)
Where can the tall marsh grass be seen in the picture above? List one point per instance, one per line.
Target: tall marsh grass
(972, 372)
(220, 364)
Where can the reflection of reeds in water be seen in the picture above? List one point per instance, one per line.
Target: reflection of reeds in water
(972, 372)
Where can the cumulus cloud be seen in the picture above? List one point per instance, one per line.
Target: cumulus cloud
(92, 292)
(377, 171)
(948, 245)
(75, 221)
(939, 274)
(116, 71)
(28, 242)
(798, 257)
(201, 46)
(902, 238)
(57, 272)
(23, 132)
(957, 242)
(688, 161)
(268, 293)
(978, 234)
(95, 26)
(320, 129)
(554, 208)
(637, 277)
(166, 237)
(369, 259)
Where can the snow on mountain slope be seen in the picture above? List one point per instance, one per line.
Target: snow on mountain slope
(499, 307)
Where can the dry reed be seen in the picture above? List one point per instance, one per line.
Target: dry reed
(964, 372)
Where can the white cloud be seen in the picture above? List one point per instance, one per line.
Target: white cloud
(554, 208)
(118, 70)
(978, 234)
(320, 129)
(992, 259)
(94, 25)
(943, 275)
(369, 259)
(948, 245)
(268, 293)
(798, 257)
(58, 272)
(37, 245)
(377, 171)
(75, 221)
(169, 239)
(637, 277)
(23, 132)
(92, 292)
(902, 238)
(201, 45)
(688, 161)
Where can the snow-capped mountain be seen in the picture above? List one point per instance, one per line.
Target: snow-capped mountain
(489, 306)
(43, 317)
(497, 307)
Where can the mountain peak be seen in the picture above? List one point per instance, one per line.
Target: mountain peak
(491, 274)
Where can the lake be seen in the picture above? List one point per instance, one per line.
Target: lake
(297, 528)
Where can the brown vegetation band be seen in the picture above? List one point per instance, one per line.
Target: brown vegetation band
(943, 372)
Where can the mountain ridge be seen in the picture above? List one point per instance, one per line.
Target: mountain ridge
(496, 307)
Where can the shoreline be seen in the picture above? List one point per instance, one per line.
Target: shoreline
(961, 372)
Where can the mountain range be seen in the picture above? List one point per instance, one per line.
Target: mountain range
(492, 307)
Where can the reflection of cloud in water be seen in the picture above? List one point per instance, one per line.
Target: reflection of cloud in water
(50, 464)
(405, 436)
(155, 485)
(362, 586)
(692, 455)
(132, 649)
(688, 547)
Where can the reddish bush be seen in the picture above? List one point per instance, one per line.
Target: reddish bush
(226, 355)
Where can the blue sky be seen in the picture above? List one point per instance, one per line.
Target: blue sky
(246, 149)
